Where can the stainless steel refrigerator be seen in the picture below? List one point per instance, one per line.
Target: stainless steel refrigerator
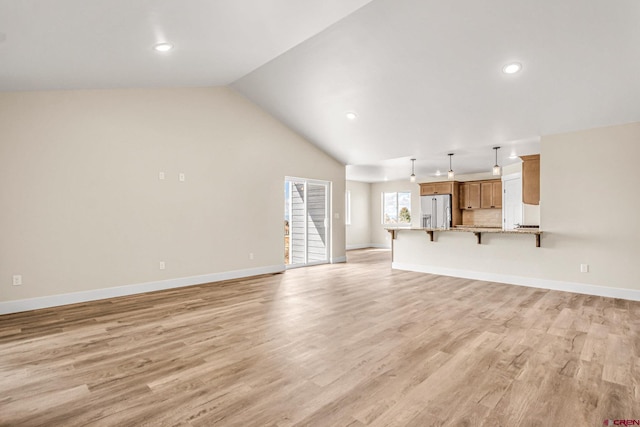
(436, 211)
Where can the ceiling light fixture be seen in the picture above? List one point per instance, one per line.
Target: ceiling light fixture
(163, 47)
(497, 170)
(512, 68)
(412, 178)
(351, 115)
(450, 174)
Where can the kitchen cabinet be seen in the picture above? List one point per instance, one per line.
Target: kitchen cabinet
(470, 195)
(531, 179)
(491, 194)
(481, 194)
(436, 188)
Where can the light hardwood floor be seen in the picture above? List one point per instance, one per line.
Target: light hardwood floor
(334, 345)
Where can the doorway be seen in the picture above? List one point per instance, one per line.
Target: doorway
(306, 222)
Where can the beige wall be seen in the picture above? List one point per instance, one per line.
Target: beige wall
(588, 214)
(359, 231)
(83, 208)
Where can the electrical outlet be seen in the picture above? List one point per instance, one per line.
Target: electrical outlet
(250, 255)
(17, 280)
(162, 265)
(181, 177)
(584, 268)
(161, 176)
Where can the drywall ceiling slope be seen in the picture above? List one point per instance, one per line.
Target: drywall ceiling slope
(425, 78)
(80, 44)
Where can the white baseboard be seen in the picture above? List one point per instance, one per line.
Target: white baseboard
(556, 285)
(15, 306)
(338, 259)
(359, 246)
(367, 246)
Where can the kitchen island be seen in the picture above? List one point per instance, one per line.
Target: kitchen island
(477, 231)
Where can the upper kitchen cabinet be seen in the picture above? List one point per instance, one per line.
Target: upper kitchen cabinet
(491, 194)
(531, 179)
(470, 195)
(437, 188)
(481, 194)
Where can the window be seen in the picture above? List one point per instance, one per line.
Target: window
(347, 205)
(396, 208)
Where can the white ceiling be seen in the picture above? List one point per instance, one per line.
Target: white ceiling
(424, 76)
(90, 44)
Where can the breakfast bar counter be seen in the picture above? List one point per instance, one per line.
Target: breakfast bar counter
(477, 231)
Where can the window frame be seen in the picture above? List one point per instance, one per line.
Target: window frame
(382, 209)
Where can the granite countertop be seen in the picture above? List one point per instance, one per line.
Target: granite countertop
(472, 229)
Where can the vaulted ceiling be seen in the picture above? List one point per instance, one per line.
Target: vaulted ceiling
(423, 77)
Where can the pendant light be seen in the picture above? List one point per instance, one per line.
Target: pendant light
(412, 178)
(497, 170)
(450, 174)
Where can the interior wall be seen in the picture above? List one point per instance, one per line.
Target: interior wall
(379, 236)
(358, 233)
(83, 207)
(587, 213)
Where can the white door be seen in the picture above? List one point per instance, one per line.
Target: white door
(307, 213)
(511, 201)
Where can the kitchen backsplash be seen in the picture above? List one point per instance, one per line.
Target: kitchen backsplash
(482, 217)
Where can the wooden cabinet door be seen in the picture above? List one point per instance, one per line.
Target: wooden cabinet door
(436, 188)
(473, 198)
(491, 194)
(486, 195)
(531, 179)
(426, 189)
(464, 195)
(497, 194)
(443, 188)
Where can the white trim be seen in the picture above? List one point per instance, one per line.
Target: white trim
(309, 264)
(556, 285)
(367, 246)
(339, 259)
(381, 245)
(15, 306)
(360, 246)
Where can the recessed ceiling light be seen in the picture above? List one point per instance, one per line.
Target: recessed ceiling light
(512, 68)
(351, 115)
(163, 47)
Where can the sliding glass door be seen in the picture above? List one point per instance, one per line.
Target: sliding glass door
(306, 222)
